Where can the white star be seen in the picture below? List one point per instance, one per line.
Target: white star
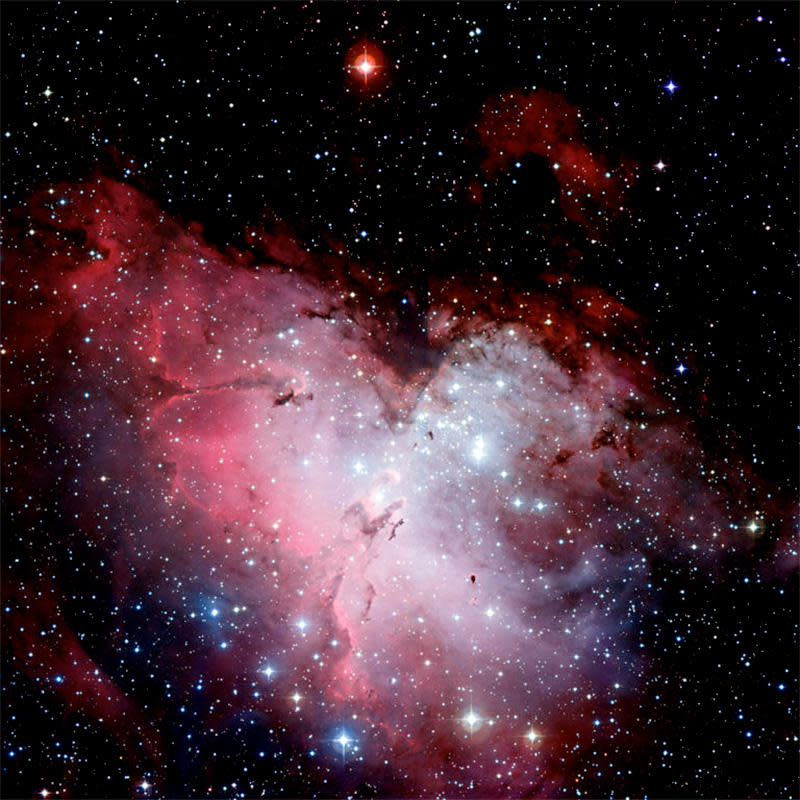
(471, 720)
(754, 526)
(344, 740)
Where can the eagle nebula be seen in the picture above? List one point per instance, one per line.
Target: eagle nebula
(338, 535)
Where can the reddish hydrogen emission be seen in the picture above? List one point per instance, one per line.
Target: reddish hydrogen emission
(337, 464)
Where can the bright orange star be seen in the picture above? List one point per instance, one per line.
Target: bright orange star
(365, 65)
(364, 62)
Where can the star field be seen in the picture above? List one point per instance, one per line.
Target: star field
(399, 401)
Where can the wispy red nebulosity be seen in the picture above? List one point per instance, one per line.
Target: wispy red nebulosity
(279, 423)
(47, 651)
(543, 123)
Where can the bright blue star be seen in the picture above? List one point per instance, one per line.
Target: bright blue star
(671, 87)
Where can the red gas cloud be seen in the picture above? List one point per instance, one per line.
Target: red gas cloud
(305, 472)
(543, 123)
(48, 652)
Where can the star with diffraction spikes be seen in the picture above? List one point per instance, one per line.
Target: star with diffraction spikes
(365, 65)
(364, 62)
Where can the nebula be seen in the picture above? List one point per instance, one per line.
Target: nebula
(414, 533)
(543, 123)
